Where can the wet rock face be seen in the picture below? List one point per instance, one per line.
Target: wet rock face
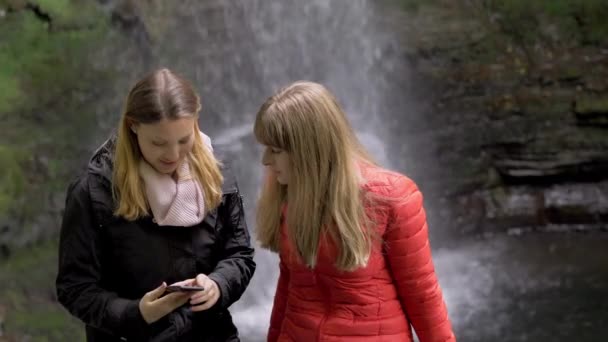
(516, 131)
(521, 208)
(591, 110)
(557, 174)
(520, 164)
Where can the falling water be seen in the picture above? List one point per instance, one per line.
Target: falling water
(239, 52)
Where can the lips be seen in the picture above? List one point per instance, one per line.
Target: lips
(168, 164)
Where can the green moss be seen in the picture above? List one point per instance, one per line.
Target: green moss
(19, 32)
(592, 104)
(47, 88)
(39, 63)
(571, 71)
(525, 20)
(10, 96)
(43, 75)
(12, 4)
(28, 279)
(70, 13)
(12, 181)
(588, 138)
(547, 108)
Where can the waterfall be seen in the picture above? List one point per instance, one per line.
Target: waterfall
(238, 53)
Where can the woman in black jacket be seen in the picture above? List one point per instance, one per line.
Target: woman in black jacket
(155, 207)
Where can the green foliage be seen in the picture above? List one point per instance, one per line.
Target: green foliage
(39, 64)
(9, 92)
(27, 291)
(45, 81)
(70, 13)
(12, 181)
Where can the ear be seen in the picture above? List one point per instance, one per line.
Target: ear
(132, 125)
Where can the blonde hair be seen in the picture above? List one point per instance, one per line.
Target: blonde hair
(324, 193)
(160, 95)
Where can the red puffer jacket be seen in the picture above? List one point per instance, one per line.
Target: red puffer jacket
(397, 288)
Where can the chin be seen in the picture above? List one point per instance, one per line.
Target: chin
(165, 170)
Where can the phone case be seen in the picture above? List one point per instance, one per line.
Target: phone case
(184, 288)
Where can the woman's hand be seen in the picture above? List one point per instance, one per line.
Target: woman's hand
(203, 300)
(154, 307)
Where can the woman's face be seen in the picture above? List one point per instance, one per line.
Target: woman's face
(277, 162)
(165, 144)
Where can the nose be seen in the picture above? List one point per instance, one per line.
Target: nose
(266, 158)
(172, 153)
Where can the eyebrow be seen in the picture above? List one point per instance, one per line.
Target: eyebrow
(161, 140)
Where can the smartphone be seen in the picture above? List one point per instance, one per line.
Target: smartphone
(183, 288)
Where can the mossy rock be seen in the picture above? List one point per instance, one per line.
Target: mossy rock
(591, 104)
(60, 13)
(12, 180)
(46, 81)
(28, 295)
(13, 5)
(37, 62)
(592, 110)
(541, 104)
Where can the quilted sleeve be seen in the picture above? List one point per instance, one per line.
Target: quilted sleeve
(409, 256)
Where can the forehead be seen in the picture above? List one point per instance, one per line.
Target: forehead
(270, 132)
(168, 129)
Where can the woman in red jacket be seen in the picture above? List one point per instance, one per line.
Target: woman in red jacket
(355, 261)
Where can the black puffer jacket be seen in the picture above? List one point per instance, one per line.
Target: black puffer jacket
(106, 263)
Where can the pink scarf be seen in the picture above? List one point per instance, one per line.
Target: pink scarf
(173, 202)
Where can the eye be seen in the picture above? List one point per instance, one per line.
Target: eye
(158, 143)
(185, 141)
(275, 150)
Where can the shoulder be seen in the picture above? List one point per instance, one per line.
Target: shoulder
(387, 183)
(90, 188)
(230, 184)
(78, 186)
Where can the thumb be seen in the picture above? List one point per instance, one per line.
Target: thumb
(200, 279)
(157, 292)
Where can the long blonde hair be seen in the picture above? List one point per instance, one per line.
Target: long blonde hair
(324, 192)
(160, 95)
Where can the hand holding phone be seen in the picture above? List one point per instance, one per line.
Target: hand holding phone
(157, 303)
(183, 288)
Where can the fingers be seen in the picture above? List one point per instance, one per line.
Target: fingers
(203, 296)
(185, 282)
(173, 297)
(206, 303)
(170, 302)
(146, 305)
(202, 280)
(204, 300)
(207, 284)
(157, 292)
